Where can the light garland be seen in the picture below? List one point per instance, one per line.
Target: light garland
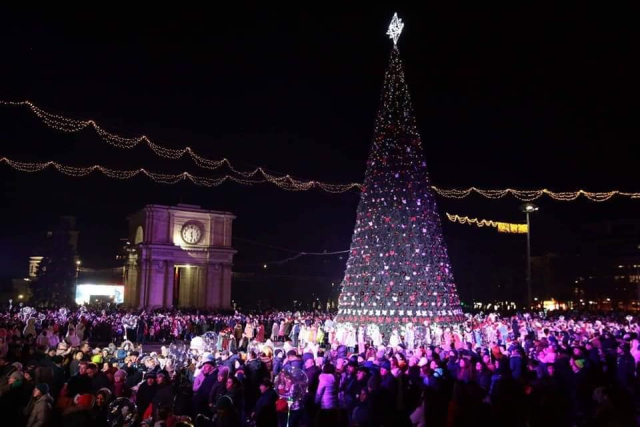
(502, 227)
(69, 125)
(290, 184)
(530, 195)
(162, 178)
(466, 220)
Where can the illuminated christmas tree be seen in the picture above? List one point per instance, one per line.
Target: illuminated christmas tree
(398, 269)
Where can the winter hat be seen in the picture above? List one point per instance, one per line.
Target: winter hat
(224, 371)
(18, 366)
(363, 369)
(579, 363)
(208, 358)
(120, 373)
(307, 356)
(84, 400)
(17, 375)
(44, 388)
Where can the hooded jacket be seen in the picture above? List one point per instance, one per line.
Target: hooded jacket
(39, 411)
(327, 394)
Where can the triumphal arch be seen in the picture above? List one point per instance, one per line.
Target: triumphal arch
(179, 256)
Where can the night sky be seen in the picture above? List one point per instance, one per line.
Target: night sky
(523, 99)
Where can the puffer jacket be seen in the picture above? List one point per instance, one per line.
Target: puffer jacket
(39, 411)
(327, 394)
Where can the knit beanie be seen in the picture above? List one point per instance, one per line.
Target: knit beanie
(579, 363)
(44, 388)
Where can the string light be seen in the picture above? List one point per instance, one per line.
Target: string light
(161, 178)
(503, 227)
(467, 220)
(69, 125)
(530, 195)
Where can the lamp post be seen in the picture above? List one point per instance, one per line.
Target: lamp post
(528, 209)
(77, 270)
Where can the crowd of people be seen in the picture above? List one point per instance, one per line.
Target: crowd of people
(69, 367)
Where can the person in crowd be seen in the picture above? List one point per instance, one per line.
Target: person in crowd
(80, 383)
(120, 387)
(98, 379)
(81, 413)
(39, 408)
(201, 395)
(100, 409)
(264, 413)
(502, 370)
(145, 394)
(255, 372)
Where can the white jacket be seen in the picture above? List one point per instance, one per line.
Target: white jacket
(327, 394)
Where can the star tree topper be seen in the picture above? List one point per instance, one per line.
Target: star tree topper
(395, 28)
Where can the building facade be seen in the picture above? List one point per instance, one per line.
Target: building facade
(179, 256)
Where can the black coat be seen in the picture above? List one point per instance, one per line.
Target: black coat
(99, 381)
(134, 375)
(217, 391)
(265, 409)
(164, 396)
(389, 383)
(313, 374)
(144, 397)
(625, 370)
(255, 372)
(351, 392)
(79, 384)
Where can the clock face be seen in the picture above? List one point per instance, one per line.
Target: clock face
(191, 233)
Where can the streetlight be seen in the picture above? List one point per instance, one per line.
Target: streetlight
(529, 208)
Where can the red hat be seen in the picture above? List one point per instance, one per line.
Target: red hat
(84, 400)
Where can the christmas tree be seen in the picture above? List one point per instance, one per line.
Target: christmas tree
(398, 269)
